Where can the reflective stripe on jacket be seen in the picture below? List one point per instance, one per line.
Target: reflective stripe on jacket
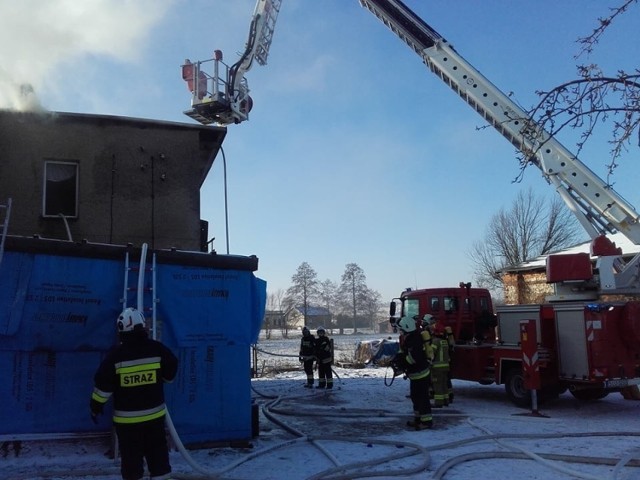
(133, 374)
(415, 356)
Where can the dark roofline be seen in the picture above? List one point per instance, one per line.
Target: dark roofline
(113, 119)
(117, 252)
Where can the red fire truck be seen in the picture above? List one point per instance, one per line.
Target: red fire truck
(577, 340)
(590, 348)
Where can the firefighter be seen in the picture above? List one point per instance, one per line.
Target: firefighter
(451, 342)
(307, 355)
(324, 357)
(441, 367)
(133, 373)
(413, 360)
(423, 325)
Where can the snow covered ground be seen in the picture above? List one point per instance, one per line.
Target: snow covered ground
(358, 431)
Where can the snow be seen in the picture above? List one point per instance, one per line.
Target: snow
(358, 431)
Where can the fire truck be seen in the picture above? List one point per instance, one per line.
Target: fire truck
(580, 339)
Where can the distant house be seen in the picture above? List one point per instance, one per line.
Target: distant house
(527, 283)
(274, 319)
(316, 317)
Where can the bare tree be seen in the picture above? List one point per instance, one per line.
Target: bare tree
(594, 98)
(328, 295)
(353, 290)
(304, 289)
(275, 305)
(530, 228)
(372, 306)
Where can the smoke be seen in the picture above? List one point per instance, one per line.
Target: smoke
(38, 38)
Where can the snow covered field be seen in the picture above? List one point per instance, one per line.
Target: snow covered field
(358, 431)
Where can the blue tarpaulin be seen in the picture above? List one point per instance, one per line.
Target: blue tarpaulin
(57, 321)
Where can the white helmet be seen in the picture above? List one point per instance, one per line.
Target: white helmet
(428, 319)
(129, 319)
(407, 324)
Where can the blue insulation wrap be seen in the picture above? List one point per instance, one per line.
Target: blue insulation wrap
(57, 322)
(213, 317)
(58, 303)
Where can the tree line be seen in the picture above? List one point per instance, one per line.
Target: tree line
(350, 303)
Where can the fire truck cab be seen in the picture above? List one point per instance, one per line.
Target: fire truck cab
(468, 311)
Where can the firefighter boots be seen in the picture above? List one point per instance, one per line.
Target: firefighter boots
(418, 425)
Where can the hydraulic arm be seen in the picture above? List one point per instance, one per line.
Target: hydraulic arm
(597, 206)
(222, 96)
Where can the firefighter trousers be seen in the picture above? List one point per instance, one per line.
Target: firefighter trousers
(419, 393)
(325, 375)
(308, 370)
(440, 374)
(143, 441)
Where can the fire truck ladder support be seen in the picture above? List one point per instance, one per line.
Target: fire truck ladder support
(6, 209)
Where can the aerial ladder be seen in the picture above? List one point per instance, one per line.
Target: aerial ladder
(221, 96)
(598, 208)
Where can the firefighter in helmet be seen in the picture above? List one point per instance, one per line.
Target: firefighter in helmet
(133, 373)
(423, 326)
(412, 358)
(442, 389)
(324, 357)
(307, 354)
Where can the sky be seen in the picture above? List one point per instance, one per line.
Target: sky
(362, 420)
(354, 151)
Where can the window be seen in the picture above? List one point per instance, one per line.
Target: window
(411, 307)
(484, 304)
(450, 304)
(60, 189)
(435, 304)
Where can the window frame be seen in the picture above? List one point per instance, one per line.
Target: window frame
(46, 181)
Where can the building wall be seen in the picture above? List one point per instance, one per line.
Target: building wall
(139, 180)
(531, 287)
(526, 287)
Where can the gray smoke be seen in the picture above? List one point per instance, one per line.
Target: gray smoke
(40, 38)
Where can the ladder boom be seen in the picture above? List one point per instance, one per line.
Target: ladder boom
(596, 205)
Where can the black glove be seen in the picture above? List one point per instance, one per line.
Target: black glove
(398, 364)
(96, 409)
(300, 358)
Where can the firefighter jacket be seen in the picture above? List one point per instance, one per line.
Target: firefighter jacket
(307, 347)
(451, 340)
(445, 332)
(441, 351)
(412, 356)
(427, 344)
(133, 373)
(324, 349)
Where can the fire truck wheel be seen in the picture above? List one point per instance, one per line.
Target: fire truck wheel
(516, 391)
(590, 394)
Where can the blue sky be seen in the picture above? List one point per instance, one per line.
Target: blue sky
(354, 151)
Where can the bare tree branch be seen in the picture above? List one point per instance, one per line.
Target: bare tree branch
(588, 43)
(528, 229)
(592, 100)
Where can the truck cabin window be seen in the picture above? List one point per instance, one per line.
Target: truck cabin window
(450, 304)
